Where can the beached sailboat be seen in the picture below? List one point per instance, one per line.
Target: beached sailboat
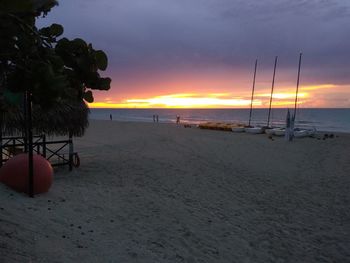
(292, 132)
(269, 130)
(249, 128)
(288, 132)
(297, 132)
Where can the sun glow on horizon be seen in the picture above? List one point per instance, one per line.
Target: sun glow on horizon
(187, 100)
(285, 97)
(179, 101)
(182, 100)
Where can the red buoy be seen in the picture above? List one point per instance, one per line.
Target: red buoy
(15, 174)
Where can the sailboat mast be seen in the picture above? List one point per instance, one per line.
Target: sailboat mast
(273, 85)
(297, 91)
(252, 98)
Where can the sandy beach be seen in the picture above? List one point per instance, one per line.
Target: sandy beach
(150, 192)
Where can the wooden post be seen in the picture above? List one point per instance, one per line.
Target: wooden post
(25, 128)
(1, 159)
(71, 151)
(251, 104)
(44, 145)
(38, 147)
(29, 129)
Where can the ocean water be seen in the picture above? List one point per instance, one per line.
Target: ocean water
(321, 119)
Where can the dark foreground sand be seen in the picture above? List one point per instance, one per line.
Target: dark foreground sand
(161, 193)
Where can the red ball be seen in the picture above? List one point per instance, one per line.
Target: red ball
(15, 173)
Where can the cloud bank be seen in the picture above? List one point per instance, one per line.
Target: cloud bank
(154, 37)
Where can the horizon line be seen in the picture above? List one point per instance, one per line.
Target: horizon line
(292, 108)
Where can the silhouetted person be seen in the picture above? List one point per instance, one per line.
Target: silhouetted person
(154, 118)
(110, 117)
(157, 117)
(177, 119)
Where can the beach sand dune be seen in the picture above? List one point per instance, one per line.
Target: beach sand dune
(161, 193)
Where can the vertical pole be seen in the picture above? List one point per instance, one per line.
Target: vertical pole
(251, 104)
(37, 146)
(297, 91)
(29, 129)
(44, 145)
(25, 128)
(273, 85)
(1, 159)
(13, 147)
(71, 150)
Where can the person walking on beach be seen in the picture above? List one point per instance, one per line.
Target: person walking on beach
(177, 119)
(157, 117)
(154, 118)
(110, 117)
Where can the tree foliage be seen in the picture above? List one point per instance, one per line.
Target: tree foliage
(53, 68)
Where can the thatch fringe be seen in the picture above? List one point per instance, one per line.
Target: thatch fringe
(60, 120)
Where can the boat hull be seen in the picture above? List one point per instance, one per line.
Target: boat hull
(269, 131)
(254, 130)
(303, 133)
(279, 132)
(238, 129)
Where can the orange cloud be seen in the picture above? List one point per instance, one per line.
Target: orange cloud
(285, 95)
(318, 87)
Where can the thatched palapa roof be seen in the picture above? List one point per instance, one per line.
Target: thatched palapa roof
(60, 120)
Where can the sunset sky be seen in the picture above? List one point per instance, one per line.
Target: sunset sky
(201, 53)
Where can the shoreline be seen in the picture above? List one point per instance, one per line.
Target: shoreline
(197, 123)
(328, 120)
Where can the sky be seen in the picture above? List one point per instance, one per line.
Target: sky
(201, 53)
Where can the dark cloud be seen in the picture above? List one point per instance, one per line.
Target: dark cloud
(166, 35)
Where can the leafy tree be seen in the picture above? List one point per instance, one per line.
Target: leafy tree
(55, 70)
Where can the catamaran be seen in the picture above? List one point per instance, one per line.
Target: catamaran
(269, 130)
(249, 128)
(294, 132)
